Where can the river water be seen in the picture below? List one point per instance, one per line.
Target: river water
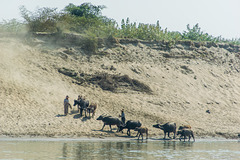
(107, 149)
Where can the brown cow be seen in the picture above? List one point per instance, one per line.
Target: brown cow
(186, 126)
(141, 130)
(92, 109)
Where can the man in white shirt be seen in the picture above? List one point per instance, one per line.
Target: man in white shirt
(66, 105)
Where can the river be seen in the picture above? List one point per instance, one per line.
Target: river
(107, 149)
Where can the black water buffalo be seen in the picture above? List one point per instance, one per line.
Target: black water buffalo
(82, 105)
(184, 133)
(109, 120)
(130, 125)
(167, 128)
(141, 130)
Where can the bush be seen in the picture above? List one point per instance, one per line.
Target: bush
(12, 26)
(90, 43)
(42, 20)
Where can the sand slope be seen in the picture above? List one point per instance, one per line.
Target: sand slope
(185, 79)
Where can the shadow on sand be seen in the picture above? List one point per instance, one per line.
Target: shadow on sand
(106, 131)
(74, 112)
(60, 115)
(76, 115)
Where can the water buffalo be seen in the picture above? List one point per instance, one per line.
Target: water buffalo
(92, 109)
(141, 130)
(82, 105)
(167, 128)
(184, 133)
(130, 125)
(109, 120)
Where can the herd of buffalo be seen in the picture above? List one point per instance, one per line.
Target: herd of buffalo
(184, 131)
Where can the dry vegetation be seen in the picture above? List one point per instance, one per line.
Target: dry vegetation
(153, 82)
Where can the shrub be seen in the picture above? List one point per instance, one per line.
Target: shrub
(42, 20)
(12, 26)
(90, 43)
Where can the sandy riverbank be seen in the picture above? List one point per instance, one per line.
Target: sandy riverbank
(184, 82)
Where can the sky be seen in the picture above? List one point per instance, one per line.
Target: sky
(216, 17)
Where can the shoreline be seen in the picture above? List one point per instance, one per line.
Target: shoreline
(132, 138)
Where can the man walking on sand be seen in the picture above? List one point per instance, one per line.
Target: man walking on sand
(66, 105)
(122, 116)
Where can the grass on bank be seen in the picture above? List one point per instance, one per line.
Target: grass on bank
(87, 19)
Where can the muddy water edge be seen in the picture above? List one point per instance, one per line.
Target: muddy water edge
(57, 148)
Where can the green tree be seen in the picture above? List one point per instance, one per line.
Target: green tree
(196, 34)
(85, 10)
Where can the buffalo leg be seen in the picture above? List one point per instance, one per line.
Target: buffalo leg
(129, 134)
(118, 128)
(139, 135)
(164, 135)
(103, 126)
(110, 127)
(81, 112)
(193, 137)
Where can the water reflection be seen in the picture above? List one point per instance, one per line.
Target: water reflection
(64, 150)
(132, 149)
(169, 145)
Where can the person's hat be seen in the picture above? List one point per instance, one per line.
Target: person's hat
(122, 109)
(67, 97)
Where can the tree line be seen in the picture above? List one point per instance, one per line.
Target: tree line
(87, 19)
